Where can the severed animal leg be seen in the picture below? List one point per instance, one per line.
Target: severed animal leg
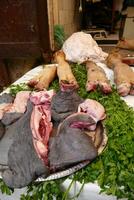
(44, 78)
(123, 74)
(64, 72)
(96, 77)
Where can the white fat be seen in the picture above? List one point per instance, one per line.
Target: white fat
(80, 47)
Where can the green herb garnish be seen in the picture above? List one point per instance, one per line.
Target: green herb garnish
(14, 89)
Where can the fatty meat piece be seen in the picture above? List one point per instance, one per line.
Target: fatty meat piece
(42, 97)
(81, 47)
(94, 109)
(20, 102)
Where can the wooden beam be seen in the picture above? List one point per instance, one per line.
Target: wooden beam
(56, 11)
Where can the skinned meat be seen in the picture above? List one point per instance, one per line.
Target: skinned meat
(123, 74)
(20, 102)
(64, 104)
(42, 97)
(67, 80)
(41, 124)
(97, 77)
(23, 162)
(94, 109)
(41, 127)
(72, 145)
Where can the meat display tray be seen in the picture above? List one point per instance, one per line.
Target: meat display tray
(65, 172)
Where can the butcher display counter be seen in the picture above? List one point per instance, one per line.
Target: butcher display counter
(90, 190)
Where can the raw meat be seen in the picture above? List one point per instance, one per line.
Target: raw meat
(64, 104)
(96, 77)
(41, 127)
(72, 145)
(23, 162)
(42, 97)
(44, 78)
(66, 78)
(94, 109)
(41, 124)
(81, 47)
(123, 74)
(20, 102)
